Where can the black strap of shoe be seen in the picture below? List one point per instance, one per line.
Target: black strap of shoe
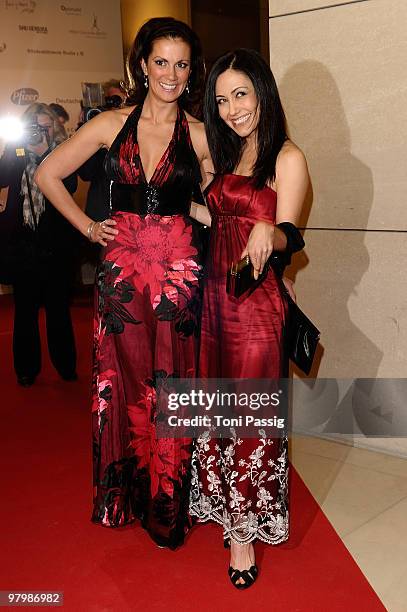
(248, 576)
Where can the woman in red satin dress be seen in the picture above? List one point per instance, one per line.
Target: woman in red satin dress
(254, 201)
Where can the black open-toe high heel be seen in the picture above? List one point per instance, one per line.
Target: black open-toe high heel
(248, 576)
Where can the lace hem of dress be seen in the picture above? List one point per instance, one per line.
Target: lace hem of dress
(273, 531)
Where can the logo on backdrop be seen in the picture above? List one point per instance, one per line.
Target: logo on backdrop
(24, 96)
(23, 6)
(94, 29)
(62, 52)
(33, 28)
(71, 10)
(3, 47)
(68, 100)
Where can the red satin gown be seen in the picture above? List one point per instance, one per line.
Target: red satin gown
(241, 483)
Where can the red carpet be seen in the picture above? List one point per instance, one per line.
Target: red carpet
(48, 542)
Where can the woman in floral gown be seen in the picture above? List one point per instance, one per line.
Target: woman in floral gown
(149, 280)
(254, 202)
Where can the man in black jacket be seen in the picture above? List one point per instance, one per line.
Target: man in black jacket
(92, 171)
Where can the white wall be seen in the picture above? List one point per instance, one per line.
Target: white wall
(341, 74)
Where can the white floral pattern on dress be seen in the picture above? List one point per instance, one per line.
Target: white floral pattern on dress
(220, 472)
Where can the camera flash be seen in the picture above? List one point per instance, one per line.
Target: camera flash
(11, 128)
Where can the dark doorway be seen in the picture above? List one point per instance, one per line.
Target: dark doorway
(223, 25)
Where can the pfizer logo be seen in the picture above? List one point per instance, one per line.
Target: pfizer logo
(24, 96)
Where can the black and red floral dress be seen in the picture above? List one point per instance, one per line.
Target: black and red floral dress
(148, 303)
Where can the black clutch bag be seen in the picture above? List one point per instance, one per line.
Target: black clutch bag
(302, 336)
(240, 277)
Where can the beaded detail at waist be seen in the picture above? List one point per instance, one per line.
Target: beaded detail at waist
(147, 199)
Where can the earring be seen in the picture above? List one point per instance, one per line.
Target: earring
(124, 87)
(146, 81)
(187, 87)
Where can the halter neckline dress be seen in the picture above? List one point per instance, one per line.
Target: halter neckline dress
(148, 305)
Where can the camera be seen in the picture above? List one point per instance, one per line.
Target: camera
(110, 102)
(13, 129)
(33, 134)
(95, 102)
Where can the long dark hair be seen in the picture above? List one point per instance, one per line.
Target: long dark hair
(152, 30)
(225, 145)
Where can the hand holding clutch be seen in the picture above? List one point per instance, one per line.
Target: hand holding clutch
(301, 335)
(240, 277)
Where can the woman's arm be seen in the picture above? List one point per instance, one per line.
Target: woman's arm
(67, 158)
(201, 148)
(292, 181)
(200, 212)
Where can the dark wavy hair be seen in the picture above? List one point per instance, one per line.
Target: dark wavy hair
(225, 145)
(152, 30)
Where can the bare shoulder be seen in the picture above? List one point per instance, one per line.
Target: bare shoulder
(124, 112)
(292, 176)
(198, 136)
(108, 118)
(118, 116)
(290, 159)
(196, 127)
(192, 120)
(105, 126)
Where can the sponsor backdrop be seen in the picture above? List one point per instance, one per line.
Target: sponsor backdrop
(47, 48)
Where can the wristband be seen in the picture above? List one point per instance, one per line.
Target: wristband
(295, 241)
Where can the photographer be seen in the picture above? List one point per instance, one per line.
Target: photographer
(62, 114)
(97, 201)
(37, 244)
(92, 171)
